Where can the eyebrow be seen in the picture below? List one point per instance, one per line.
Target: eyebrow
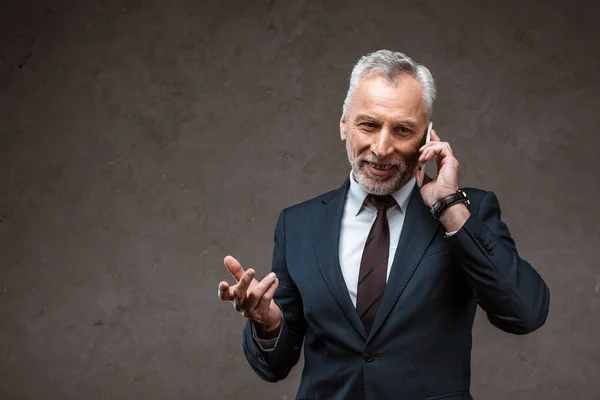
(407, 122)
(365, 117)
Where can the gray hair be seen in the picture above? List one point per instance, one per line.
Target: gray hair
(391, 64)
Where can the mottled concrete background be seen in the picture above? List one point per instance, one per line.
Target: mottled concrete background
(142, 141)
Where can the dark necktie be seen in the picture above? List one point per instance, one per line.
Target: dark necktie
(373, 265)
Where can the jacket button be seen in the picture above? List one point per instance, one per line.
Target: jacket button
(368, 356)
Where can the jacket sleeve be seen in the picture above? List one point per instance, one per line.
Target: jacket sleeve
(510, 291)
(276, 363)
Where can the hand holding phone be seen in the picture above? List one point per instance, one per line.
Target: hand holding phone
(424, 164)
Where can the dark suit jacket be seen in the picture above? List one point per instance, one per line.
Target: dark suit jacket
(420, 344)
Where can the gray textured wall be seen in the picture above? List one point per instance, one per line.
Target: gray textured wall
(141, 142)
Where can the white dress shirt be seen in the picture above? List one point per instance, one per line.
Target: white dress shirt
(357, 218)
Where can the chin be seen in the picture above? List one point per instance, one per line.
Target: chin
(376, 185)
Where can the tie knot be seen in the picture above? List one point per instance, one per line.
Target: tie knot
(381, 202)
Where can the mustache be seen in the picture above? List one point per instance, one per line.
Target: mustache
(376, 160)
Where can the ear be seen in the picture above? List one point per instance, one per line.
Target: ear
(343, 128)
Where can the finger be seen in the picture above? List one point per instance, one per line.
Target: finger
(258, 292)
(431, 142)
(443, 155)
(224, 292)
(442, 149)
(240, 289)
(234, 267)
(438, 163)
(268, 295)
(247, 277)
(434, 145)
(427, 155)
(265, 303)
(434, 137)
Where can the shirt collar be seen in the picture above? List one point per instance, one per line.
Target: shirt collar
(357, 195)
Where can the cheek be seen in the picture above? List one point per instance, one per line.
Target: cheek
(358, 143)
(410, 148)
(410, 152)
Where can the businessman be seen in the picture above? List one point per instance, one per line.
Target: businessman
(380, 278)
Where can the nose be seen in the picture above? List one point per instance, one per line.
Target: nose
(382, 144)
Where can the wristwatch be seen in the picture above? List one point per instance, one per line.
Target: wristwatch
(445, 202)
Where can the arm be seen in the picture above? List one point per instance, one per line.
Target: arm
(275, 364)
(511, 292)
(514, 296)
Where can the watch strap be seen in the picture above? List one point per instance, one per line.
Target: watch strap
(448, 201)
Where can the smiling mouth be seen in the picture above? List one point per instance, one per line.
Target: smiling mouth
(381, 167)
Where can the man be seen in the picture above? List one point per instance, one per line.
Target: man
(380, 278)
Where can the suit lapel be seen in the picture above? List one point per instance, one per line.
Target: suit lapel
(326, 220)
(417, 233)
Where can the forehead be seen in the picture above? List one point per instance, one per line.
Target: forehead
(399, 99)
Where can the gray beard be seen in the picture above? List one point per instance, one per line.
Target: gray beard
(382, 186)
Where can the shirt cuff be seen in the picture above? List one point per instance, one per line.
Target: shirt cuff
(264, 344)
(448, 234)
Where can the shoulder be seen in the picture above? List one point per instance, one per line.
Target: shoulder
(298, 215)
(307, 207)
(300, 209)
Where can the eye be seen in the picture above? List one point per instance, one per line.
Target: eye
(368, 126)
(404, 130)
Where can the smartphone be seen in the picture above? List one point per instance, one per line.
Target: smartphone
(423, 165)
